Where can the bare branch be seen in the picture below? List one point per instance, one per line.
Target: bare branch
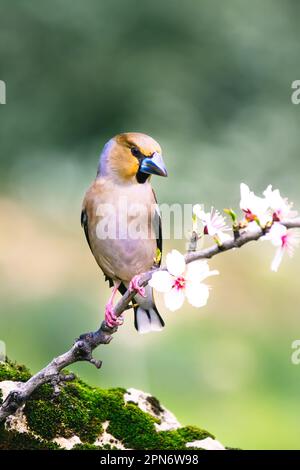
(236, 241)
(83, 347)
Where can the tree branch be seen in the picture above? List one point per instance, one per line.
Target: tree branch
(83, 347)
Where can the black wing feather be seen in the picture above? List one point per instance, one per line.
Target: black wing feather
(84, 225)
(158, 229)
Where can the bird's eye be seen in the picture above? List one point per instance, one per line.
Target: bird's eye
(135, 152)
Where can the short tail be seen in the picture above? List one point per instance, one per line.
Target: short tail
(146, 315)
(146, 321)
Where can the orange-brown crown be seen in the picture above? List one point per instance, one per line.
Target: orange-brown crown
(120, 156)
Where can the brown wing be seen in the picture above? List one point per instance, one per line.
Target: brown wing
(84, 224)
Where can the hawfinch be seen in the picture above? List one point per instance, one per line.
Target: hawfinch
(122, 224)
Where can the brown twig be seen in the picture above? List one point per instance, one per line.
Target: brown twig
(83, 347)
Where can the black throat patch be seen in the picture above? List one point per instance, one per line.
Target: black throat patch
(142, 177)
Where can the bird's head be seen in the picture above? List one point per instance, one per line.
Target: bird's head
(131, 156)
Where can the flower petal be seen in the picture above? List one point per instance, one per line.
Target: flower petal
(161, 281)
(197, 294)
(175, 263)
(256, 207)
(275, 234)
(213, 221)
(197, 271)
(277, 259)
(223, 237)
(280, 206)
(245, 194)
(174, 299)
(291, 241)
(198, 210)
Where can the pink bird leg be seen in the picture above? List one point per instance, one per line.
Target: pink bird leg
(134, 286)
(110, 317)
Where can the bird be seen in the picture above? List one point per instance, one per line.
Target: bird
(122, 223)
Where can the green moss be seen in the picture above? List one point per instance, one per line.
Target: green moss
(86, 447)
(178, 438)
(134, 427)
(93, 447)
(11, 440)
(81, 410)
(68, 414)
(12, 371)
(193, 433)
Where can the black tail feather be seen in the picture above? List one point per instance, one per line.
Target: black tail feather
(147, 320)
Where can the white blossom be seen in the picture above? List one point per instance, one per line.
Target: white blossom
(285, 241)
(181, 280)
(213, 222)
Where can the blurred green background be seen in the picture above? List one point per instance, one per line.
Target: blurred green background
(211, 81)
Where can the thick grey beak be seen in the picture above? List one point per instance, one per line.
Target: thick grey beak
(154, 165)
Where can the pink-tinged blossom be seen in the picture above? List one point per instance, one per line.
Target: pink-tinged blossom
(256, 209)
(181, 280)
(285, 240)
(280, 207)
(213, 222)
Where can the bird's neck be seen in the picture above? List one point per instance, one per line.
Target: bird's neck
(115, 180)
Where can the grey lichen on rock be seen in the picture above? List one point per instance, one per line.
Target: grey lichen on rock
(84, 417)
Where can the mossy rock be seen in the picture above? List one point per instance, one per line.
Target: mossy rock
(84, 417)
